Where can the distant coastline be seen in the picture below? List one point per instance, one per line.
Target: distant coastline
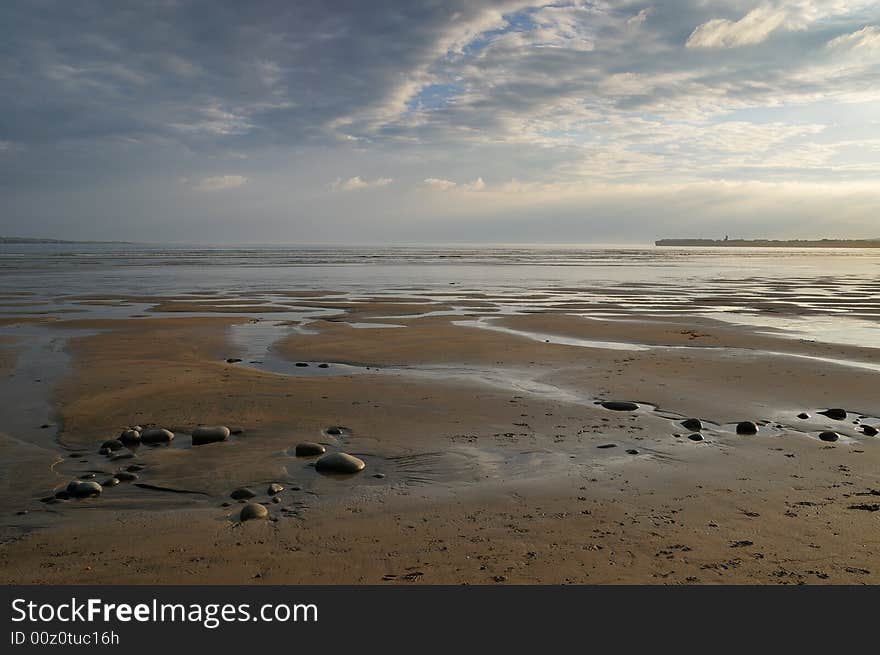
(29, 240)
(773, 243)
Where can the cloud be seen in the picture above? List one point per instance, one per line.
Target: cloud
(752, 28)
(220, 182)
(439, 184)
(865, 41)
(356, 183)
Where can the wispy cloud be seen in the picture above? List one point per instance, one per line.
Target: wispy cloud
(357, 182)
(221, 183)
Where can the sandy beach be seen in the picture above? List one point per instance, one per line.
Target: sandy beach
(489, 456)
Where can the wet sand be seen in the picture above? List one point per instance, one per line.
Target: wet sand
(494, 454)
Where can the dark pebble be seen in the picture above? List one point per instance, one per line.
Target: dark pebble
(339, 463)
(695, 437)
(693, 424)
(746, 427)
(301, 364)
(620, 405)
(803, 415)
(869, 430)
(379, 476)
(607, 445)
(84, 489)
(130, 437)
(233, 360)
(113, 444)
(110, 482)
(335, 431)
(156, 435)
(323, 365)
(835, 413)
(632, 451)
(126, 476)
(274, 488)
(206, 435)
(829, 436)
(242, 493)
(309, 449)
(253, 511)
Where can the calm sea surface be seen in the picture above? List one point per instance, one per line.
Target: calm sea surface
(831, 294)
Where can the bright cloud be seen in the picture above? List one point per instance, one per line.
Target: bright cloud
(356, 183)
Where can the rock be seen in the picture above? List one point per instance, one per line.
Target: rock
(829, 436)
(309, 449)
(693, 424)
(870, 430)
(130, 436)
(803, 415)
(137, 428)
(835, 413)
(607, 445)
(253, 511)
(301, 364)
(126, 476)
(274, 488)
(323, 365)
(84, 488)
(339, 463)
(110, 482)
(379, 476)
(695, 437)
(233, 360)
(156, 435)
(620, 405)
(276, 499)
(242, 493)
(632, 451)
(113, 444)
(201, 436)
(746, 427)
(335, 431)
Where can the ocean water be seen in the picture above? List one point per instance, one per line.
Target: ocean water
(823, 294)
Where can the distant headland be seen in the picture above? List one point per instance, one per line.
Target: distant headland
(773, 243)
(30, 240)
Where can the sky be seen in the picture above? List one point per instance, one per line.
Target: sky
(414, 121)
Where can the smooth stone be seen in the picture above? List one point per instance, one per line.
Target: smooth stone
(693, 424)
(113, 444)
(607, 445)
(125, 476)
(205, 435)
(301, 364)
(379, 476)
(323, 365)
(829, 436)
(835, 413)
(104, 451)
(156, 435)
(242, 493)
(276, 499)
(111, 482)
(309, 449)
(620, 405)
(130, 436)
(870, 430)
(137, 428)
(274, 488)
(339, 463)
(632, 451)
(695, 437)
(233, 360)
(253, 511)
(747, 427)
(803, 416)
(84, 488)
(334, 431)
